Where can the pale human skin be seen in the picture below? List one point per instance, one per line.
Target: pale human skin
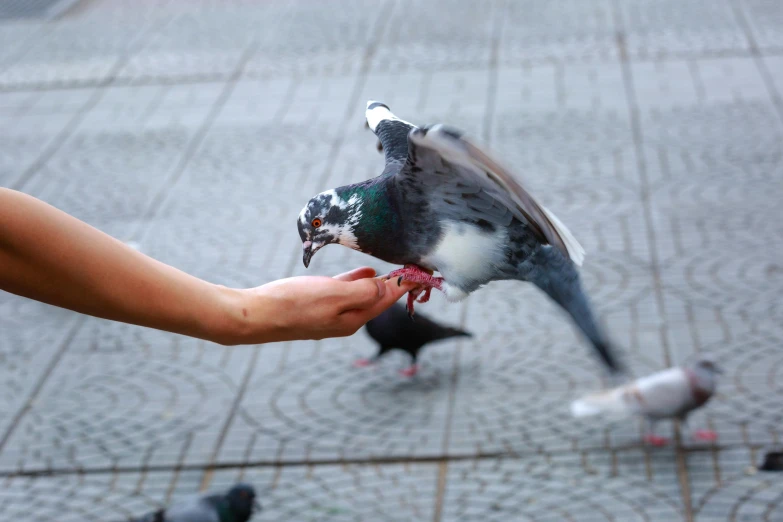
(50, 256)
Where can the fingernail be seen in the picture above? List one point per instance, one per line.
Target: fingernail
(381, 288)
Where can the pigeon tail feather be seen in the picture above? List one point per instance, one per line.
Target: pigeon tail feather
(610, 402)
(448, 333)
(558, 277)
(575, 249)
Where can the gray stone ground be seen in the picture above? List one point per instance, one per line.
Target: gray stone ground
(197, 129)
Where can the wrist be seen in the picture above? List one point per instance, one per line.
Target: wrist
(231, 325)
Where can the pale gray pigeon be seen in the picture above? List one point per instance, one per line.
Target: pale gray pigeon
(669, 394)
(442, 204)
(237, 505)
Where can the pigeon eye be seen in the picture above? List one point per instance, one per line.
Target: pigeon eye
(316, 223)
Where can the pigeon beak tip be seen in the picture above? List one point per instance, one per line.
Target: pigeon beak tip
(307, 253)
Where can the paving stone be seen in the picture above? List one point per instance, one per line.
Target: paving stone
(163, 403)
(663, 29)
(448, 35)
(730, 485)
(538, 489)
(307, 400)
(764, 18)
(533, 31)
(393, 492)
(92, 498)
(33, 122)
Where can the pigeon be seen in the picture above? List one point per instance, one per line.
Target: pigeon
(669, 394)
(237, 505)
(773, 461)
(394, 330)
(441, 204)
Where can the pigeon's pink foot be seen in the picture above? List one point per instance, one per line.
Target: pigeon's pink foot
(705, 435)
(422, 276)
(417, 274)
(410, 371)
(654, 440)
(425, 295)
(362, 363)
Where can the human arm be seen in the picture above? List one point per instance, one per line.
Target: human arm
(50, 256)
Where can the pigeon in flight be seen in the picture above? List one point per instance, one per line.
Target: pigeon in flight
(237, 505)
(441, 204)
(393, 329)
(669, 394)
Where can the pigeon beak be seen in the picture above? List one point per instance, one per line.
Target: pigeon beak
(307, 253)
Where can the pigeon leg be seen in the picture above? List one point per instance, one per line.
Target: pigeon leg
(425, 296)
(705, 435)
(654, 440)
(413, 369)
(363, 363)
(410, 371)
(651, 438)
(422, 276)
(702, 435)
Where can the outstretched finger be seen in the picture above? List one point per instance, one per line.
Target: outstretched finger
(357, 273)
(393, 294)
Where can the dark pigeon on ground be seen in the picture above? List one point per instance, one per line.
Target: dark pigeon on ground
(237, 505)
(773, 461)
(393, 329)
(442, 204)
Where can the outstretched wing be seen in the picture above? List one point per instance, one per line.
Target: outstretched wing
(463, 181)
(392, 132)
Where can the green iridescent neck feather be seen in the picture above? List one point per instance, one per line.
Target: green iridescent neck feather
(377, 216)
(378, 229)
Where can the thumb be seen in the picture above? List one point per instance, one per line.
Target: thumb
(362, 294)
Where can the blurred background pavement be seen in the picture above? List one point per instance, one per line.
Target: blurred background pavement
(197, 129)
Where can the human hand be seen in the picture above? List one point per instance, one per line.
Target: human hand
(312, 307)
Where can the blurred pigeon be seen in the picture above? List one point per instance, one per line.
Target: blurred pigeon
(773, 461)
(672, 393)
(394, 330)
(237, 505)
(443, 204)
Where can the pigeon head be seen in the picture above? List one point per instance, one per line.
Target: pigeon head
(706, 372)
(708, 366)
(330, 217)
(241, 500)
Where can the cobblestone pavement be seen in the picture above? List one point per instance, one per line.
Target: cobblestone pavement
(197, 129)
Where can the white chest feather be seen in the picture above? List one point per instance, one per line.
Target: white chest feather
(467, 255)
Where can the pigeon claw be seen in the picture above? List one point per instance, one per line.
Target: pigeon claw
(409, 305)
(422, 276)
(654, 440)
(705, 435)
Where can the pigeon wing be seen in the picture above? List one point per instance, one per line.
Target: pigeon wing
(202, 509)
(391, 131)
(466, 183)
(662, 394)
